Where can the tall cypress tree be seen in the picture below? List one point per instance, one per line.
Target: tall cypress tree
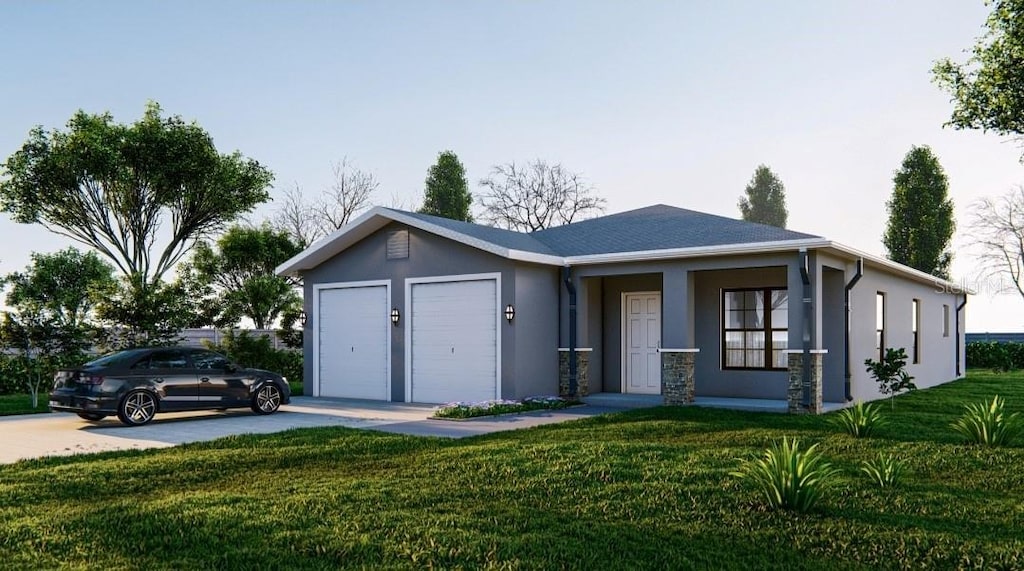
(920, 215)
(765, 200)
(447, 191)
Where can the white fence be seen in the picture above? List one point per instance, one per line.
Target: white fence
(195, 337)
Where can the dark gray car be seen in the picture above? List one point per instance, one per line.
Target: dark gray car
(135, 384)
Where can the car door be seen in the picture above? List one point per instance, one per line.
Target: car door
(168, 372)
(219, 382)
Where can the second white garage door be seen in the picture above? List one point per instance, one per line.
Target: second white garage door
(353, 341)
(454, 341)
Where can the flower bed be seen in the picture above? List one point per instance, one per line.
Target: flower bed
(459, 410)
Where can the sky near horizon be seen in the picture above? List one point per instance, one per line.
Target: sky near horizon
(653, 102)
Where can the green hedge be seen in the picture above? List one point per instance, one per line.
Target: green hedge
(258, 352)
(995, 355)
(14, 369)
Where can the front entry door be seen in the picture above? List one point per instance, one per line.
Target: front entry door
(641, 362)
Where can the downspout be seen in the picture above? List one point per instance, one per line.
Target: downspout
(571, 288)
(805, 277)
(846, 330)
(958, 309)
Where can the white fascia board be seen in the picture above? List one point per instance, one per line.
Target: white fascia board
(700, 251)
(901, 269)
(301, 260)
(378, 217)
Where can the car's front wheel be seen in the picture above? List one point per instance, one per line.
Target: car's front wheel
(137, 408)
(93, 416)
(267, 399)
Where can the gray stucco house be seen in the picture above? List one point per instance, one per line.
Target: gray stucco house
(404, 306)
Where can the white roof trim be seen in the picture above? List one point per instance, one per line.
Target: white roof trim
(325, 248)
(901, 269)
(698, 251)
(378, 217)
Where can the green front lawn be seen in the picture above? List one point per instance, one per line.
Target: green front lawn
(648, 488)
(22, 404)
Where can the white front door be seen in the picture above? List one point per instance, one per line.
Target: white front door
(642, 338)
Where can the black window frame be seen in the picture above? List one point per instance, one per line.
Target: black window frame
(915, 330)
(880, 303)
(766, 328)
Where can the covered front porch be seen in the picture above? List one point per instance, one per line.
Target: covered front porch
(752, 332)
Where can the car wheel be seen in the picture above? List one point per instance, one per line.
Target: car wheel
(93, 416)
(137, 408)
(267, 399)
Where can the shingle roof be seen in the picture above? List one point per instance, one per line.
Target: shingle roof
(658, 227)
(500, 237)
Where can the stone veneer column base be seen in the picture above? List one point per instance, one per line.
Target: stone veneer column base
(582, 373)
(795, 390)
(677, 384)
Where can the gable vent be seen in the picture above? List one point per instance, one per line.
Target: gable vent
(398, 245)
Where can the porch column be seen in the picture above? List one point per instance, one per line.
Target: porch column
(677, 386)
(582, 372)
(795, 389)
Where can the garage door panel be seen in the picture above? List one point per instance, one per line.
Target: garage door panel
(454, 341)
(353, 347)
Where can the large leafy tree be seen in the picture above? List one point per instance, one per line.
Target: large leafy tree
(142, 195)
(446, 192)
(49, 316)
(988, 89)
(239, 270)
(536, 196)
(921, 221)
(764, 199)
(121, 189)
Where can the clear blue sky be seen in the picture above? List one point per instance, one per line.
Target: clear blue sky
(671, 102)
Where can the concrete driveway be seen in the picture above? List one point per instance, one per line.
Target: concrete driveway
(62, 434)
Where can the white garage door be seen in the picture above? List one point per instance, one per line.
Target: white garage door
(353, 342)
(454, 341)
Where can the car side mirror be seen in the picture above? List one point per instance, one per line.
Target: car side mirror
(230, 367)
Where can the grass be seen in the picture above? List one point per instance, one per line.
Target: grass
(643, 489)
(22, 404)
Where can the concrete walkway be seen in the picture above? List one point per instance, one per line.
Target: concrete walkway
(62, 434)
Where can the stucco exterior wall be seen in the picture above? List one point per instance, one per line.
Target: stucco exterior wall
(938, 352)
(535, 330)
(430, 255)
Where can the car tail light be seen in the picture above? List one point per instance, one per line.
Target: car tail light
(90, 380)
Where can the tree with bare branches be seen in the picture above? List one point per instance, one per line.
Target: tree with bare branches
(350, 192)
(536, 196)
(295, 218)
(997, 231)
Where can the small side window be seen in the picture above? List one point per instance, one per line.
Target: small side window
(945, 321)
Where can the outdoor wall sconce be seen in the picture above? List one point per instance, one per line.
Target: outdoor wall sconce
(510, 313)
(302, 318)
(395, 316)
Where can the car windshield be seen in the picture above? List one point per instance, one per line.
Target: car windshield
(117, 358)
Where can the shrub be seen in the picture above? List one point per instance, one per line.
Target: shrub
(788, 477)
(890, 373)
(886, 470)
(258, 352)
(860, 420)
(501, 406)
(999, 357)
(987, 423)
